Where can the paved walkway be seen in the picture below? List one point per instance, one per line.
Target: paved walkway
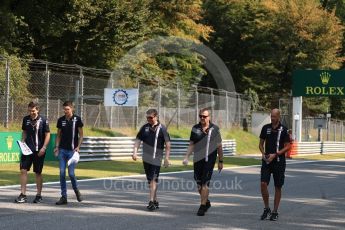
(313, 198)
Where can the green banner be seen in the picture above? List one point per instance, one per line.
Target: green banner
(9, 149)
(318, 83)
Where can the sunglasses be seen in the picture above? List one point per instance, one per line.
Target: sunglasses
(202, 116)
(149, 118)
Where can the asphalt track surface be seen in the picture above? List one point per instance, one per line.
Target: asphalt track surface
(313, 198)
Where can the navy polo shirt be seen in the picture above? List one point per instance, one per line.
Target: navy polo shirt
(147, 134)
(69, 131)
(36, 130)
(199, 138)
(270, 135)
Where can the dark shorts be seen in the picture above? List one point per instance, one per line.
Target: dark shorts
(27, 161)
(275, 168)
(151, 171)
(203, 170)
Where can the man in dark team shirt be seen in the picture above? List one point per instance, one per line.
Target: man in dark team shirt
(68, 140)
(206, 143)
(153, 135)
(274, 143)
(36, 135)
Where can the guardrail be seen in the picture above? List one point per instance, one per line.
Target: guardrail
(320, 147)
(108, 148)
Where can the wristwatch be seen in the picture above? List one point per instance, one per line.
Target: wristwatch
(220, 161)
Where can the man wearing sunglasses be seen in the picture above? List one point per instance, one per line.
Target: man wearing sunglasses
(153, 135)
(206, 143)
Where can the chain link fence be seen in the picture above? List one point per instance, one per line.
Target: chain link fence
(51, 84)
(331, 130)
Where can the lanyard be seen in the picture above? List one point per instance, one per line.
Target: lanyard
(278, 140)
(36, 133)
(156, 138)
(208, 143)
(73, 131)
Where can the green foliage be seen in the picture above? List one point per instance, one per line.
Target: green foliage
(253, 99)
(7, 27)
(181, 18)
(314, 106)
(19, 78)
(338, 108)
(90, 33)
(100, 33)
(263, 42)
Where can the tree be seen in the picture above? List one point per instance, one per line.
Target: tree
(176, 63)
(263, 42)
(99, 33)
(19, 78)
(91, 33)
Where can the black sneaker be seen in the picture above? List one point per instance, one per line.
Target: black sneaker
(63, 200)
(38, 199)
(202, 210)
(265, 214)
(21, 199)
(156, 203)
(151, 206)
(77, 193)
(274, 216)
(208, 205)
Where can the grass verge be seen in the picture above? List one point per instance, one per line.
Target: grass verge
(86, 170)
(320, 157)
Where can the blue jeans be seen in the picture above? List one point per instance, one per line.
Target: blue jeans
(64, 156)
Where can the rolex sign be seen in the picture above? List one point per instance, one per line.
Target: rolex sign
(318, 83)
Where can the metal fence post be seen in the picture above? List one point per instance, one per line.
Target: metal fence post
(76, 97)
(47, 91)
(137, 109)
(306, 129)
(12, 109)
(7, 92)
(342, 131)
(58, 107)
(112, 107)
(241, 112)
(227, 109)
(328, 127)
(196, 104)
(159, 98)
(81, 93)
(212, 103)
(178, 105)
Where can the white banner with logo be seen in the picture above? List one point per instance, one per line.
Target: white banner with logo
(121, 97)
